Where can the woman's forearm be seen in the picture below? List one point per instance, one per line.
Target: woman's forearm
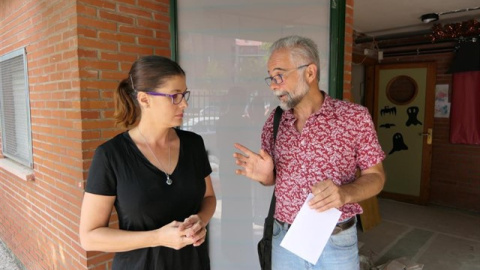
(208, 209)
(108, 239)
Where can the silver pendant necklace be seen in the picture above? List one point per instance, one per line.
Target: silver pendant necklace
(169, 180)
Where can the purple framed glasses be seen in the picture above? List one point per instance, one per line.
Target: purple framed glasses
(176, 98)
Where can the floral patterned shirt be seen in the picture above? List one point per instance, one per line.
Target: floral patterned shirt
(334, 142)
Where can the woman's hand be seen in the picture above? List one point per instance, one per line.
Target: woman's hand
(194, 229)
(174, 235)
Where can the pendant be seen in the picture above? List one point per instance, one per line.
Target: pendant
(169, 181)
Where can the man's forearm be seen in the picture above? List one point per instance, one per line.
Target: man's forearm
(369, 184)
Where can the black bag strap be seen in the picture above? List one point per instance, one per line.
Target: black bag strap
(276, 123)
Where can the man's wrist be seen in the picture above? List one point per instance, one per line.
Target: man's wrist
(268, 182)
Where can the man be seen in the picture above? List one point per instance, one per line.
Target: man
(321, 142)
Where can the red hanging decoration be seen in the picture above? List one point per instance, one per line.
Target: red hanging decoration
(455, 30)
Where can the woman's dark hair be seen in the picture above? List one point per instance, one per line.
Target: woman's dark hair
(146, 74)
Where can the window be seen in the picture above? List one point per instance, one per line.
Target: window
(15, 108)
(223, 45)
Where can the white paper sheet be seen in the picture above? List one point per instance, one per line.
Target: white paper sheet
(310, 232)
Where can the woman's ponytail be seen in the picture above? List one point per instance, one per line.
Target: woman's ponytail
(126, 109)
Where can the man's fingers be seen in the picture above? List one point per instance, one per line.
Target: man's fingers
(319, 188)
(241, 158)
(247, 152)
(263, 154)
(321, 204)
(316, 199)
(322, 186)
(240, 172)
(239, 161)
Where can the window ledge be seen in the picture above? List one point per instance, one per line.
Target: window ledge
(16, 169)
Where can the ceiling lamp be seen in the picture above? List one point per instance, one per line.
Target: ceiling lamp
(430, 17)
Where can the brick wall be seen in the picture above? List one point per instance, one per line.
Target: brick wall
(347, 74)
(39, 218)
(77, 51)
(111, 36)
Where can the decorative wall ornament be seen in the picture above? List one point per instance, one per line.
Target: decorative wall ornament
(388, 110)
(387, 125)
(412, 116)
(464, 29)
(402, 90)
(398, 143)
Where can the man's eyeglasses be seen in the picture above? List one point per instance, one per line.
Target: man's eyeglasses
(176, 98)
(278, 79)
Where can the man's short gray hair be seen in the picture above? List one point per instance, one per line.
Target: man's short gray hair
(302, 50)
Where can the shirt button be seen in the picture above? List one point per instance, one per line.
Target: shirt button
(303, 142)
(303, 166)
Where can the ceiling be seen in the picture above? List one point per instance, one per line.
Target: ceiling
(375, 18)
(382, 24)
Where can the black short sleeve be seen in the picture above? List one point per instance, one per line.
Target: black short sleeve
(101, 178)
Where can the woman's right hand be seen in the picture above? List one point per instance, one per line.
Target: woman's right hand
(173, 236)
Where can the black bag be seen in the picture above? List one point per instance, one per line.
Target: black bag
(264, 246)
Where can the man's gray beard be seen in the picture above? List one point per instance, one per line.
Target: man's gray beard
(291, 102)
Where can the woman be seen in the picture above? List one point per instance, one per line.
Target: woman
(156, 176)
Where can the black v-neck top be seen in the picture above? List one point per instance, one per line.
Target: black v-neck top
(145, 202)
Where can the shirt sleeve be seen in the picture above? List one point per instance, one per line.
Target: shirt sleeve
(207, 169)
(369, 151)
(101, 177)
(267, 135)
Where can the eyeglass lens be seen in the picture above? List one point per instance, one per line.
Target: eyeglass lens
(177, 98)
(277, 79)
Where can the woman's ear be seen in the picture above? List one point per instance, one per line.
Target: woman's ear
(143, 100)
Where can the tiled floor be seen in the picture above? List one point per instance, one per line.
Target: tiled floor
(439, 238)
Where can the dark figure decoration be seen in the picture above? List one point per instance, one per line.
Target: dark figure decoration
(412, 116)
(398, 144)
(387, 125)
(388, 110)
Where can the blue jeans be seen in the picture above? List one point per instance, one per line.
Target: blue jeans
(340, 253)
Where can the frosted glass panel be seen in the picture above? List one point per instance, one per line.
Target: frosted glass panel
(222, 47)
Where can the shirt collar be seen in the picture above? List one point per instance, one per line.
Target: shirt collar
(325, 110)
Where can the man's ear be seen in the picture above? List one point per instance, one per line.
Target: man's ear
(143, 100)
(311, 73)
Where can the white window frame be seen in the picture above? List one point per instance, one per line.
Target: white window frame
(21, 108)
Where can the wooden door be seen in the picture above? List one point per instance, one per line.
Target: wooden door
(404, 109)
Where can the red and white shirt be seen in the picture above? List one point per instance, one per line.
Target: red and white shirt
(334, 142)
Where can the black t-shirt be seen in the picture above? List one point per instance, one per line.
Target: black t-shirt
(145, 202)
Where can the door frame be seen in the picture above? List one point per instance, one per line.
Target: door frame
(428, 123)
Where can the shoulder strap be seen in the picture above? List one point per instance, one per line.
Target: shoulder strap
(276, 123)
